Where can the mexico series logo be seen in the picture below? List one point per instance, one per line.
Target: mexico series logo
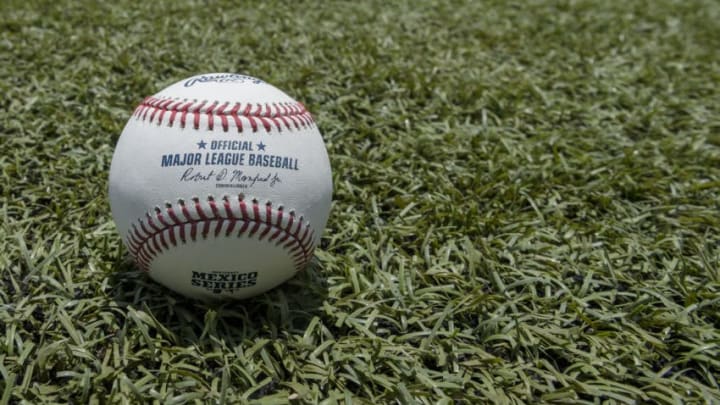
(223, 281)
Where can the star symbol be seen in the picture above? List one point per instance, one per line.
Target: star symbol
(261, 146)
(201, 144)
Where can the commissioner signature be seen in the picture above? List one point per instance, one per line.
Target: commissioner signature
(229, 178)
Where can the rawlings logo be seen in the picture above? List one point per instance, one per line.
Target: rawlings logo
(222, 78)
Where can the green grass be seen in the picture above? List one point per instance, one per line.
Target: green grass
(526, 207)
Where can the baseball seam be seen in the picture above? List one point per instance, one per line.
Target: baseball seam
(244, 116)
(188, 221)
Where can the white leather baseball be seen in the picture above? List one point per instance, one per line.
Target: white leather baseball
(220, 186)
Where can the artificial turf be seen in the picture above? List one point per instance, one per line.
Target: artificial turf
(526, 204)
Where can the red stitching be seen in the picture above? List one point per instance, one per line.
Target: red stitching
(152, 115)
(196, 115)
(295, 121)
(265, 123)
(211, 121)
(236, 118)
(163, 109)
(256, 218)
(287, 229)
(183, 113)
(268, 221)
(173, 112)
(162, 240)
(223, 117)
(146, 239)
(258, 115)
(250, 116)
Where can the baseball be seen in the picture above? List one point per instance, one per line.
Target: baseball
(220, 186)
